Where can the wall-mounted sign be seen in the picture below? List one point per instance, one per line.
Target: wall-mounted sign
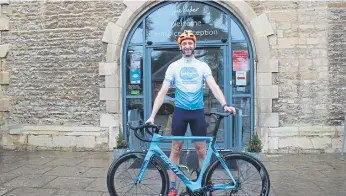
(240, 60)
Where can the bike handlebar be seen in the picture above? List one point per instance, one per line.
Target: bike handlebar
(219, 115)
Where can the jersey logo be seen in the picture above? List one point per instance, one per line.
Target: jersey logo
(188, 73)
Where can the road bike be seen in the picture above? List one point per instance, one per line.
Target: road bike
(221, 176)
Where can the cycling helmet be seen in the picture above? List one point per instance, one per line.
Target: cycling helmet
(187, 34)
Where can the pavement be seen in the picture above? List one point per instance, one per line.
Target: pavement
(52, 173)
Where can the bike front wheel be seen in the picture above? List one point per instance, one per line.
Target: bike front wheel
(122, 175)
(251, 176)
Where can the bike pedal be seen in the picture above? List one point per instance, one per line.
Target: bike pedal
(184, 193)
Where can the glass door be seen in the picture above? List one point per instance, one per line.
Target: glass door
(158, 60)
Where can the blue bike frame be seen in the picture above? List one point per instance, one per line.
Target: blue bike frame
(192, 185)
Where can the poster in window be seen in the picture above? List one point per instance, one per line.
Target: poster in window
(240, 60)
(135, 72)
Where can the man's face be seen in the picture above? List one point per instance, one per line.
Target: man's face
(187, 47)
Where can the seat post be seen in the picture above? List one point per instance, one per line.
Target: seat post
(216, 128)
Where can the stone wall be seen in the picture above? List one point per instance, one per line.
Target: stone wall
(53, 66)
(308, 41)
(62, 76)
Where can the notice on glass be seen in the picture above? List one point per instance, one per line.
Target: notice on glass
(240, 60)
(135, 73)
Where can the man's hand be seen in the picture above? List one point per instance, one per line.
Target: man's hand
(150, 121)
(230, 109)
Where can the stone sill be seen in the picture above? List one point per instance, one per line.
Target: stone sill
(56, 130)
(306, 131)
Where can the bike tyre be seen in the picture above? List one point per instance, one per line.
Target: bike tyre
(245, 157)
(154, 160)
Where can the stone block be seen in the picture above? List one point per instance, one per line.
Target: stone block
(134, 5)
(13, 140)
(283, 16)
(295, 142)
(112, 33)
(101, 140)
(268, 66)
(109, 94)
(268, 119)
(112, 106)
(243, 9)
(4, 48)
(64, 141)
(4, 24)
(265, 105)
(283, 132)
(106, 69)
(263, 48)
(290, 42)
(280, 33)
(113, 53)
(112, 81)
(273, 143)
(4, 104)
(40, 140)
(321, 142)
(262, 25)
(270, 91)
(61, 128)
(317, 131)
(264, 78)
(4, 2)
(109, 120)
(4, 77)
(85, 142)
(125, 17)
(337, 144)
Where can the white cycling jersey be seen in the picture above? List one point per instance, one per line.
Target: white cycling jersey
(188, 75)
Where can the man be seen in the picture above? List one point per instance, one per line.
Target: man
(188, 74)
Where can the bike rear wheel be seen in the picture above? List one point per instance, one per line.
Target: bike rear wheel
(122, 175)
(245, 170)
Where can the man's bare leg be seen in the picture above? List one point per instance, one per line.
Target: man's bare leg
(201, 152)
(175, 157)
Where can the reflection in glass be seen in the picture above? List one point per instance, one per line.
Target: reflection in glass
(214, 58)
(134, 70)
(244, 103)
(236, 33)
(166, 23)
(241, 69)
(137, 37)
(134, 113)
(160, 60)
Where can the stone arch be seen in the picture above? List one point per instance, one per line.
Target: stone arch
(258, 28)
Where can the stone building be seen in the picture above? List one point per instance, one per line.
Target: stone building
(74, 72)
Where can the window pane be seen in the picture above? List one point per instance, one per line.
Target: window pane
(134, 113)
(134, 70)
(166, 23)
(138, 35)
(237, 34)
(244, 103)
(241, 69)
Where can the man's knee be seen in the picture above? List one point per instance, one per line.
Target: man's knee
(177, 146)
(200, 148)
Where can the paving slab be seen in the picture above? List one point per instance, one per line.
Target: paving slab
(53, 173)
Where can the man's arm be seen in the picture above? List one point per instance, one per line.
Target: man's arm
(215, 89)
(159, 98)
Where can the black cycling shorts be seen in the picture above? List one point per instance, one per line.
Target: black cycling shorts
(195, 118)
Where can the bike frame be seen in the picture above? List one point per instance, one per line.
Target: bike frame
(192, 185)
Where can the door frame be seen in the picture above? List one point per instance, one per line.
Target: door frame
(226, 50)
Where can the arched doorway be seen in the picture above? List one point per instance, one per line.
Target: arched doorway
(222, 43)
